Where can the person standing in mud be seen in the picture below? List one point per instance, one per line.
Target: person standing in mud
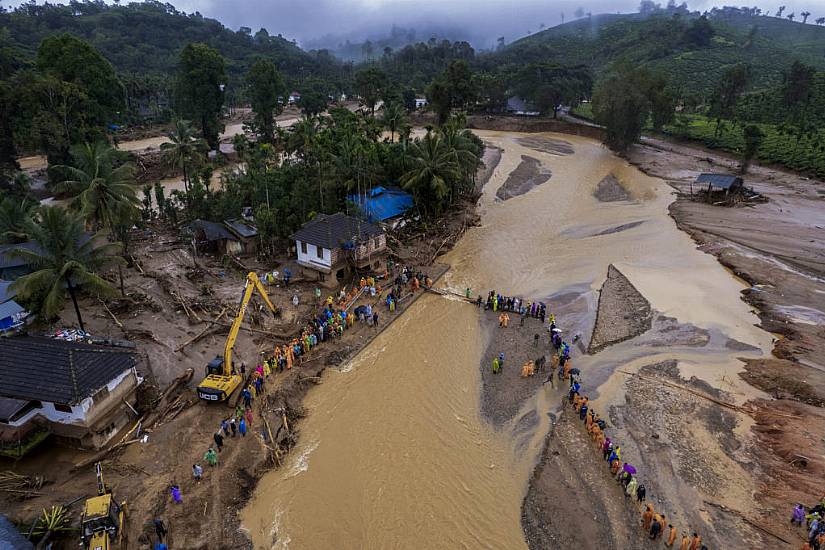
(647, 518)
(496, 365)
(640, 494)
(671, 538)
(696, 542)
(685, 542)
(656, 527)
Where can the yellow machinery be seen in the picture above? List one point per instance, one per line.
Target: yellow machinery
(221, 379)
(102, 519)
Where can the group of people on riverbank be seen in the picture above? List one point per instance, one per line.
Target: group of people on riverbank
(654, 523)
(814, 520)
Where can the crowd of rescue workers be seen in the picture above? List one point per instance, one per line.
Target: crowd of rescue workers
(334, 318)
(654, 523)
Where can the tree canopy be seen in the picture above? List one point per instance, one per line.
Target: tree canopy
(199, 89)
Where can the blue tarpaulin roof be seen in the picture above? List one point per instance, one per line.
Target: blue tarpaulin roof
(381, 203)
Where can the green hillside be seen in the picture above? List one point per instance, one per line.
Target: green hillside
(662, 41)
(146, 38)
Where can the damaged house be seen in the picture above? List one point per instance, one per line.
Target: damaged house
(82, 394)
(332, 248)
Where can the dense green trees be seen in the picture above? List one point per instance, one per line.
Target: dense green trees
(454, 88)
(735, 80)
(328, 158)
(74, 61)
(620, 105)
(549, 86)
(370, 84)
(199, 89)
(266, 91)
(66, 260)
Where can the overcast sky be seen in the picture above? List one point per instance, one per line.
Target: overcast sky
(481, 20)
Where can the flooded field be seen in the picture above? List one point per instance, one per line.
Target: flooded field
(395, 453)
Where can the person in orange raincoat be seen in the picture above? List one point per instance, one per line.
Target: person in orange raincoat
(696, 543)
(614, 466)
(647, 517)
(685, 542)
(671, 538)
(528, 369)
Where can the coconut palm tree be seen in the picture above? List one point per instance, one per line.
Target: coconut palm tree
(65, 260)
(459, 141)
(15, 215)
(183, 150)
(394, 118)
(820, 21)
(790, 16)
(105, 194)
(433, 171)
(805, 15)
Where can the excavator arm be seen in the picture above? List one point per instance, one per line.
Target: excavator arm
(252, 283)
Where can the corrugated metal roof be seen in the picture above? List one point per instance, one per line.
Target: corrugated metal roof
(43, 369)
(213, 231)
(242, 228)
(722, 181)
(9, 308)
(8, 408)
(335, 230)
(381, 203)
(6, 293)
(11, 538)
(8, 259)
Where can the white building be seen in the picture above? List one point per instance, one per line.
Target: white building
(330, 247)
(420, 102)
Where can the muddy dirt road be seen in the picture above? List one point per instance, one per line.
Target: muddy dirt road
(395, 451)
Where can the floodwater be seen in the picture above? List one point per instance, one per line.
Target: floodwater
(394, 452)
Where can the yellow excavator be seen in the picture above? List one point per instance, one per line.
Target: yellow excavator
(221, 379)
(102, 522)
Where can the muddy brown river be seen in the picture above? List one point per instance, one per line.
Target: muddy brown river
(394, 452)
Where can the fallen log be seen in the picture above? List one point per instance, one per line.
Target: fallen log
(112, 315)
(97, 457)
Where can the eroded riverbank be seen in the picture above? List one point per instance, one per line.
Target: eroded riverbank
(395, 452)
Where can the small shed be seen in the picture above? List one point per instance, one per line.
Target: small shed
(246, 233)
(214, 238)
(721, 188)
(381, 203)
(722, 182)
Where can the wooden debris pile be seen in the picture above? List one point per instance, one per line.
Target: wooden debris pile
(20, 485)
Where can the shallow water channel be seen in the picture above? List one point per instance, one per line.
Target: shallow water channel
(394, 452)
